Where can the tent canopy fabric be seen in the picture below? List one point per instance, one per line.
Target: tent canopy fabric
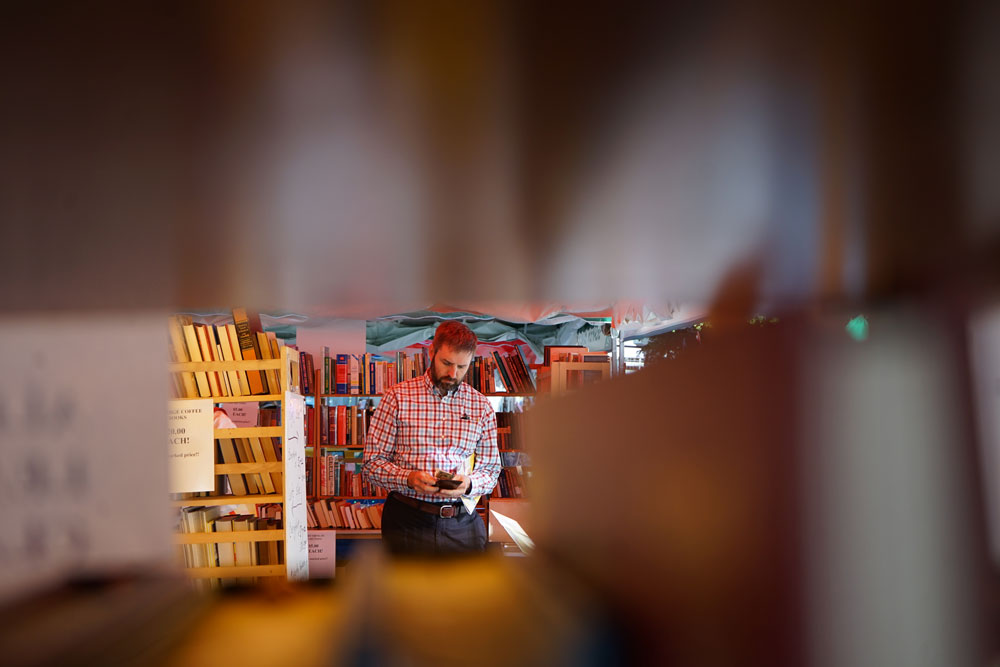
(532, 326)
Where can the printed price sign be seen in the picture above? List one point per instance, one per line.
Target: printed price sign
(191, 460)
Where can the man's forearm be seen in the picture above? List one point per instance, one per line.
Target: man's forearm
(386, 474)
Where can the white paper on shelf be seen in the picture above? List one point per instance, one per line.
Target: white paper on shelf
(191, 446)
(322, 554)
(513, 528)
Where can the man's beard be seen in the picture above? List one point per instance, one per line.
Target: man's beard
(443, 384)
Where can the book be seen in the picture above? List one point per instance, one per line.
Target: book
(194, 554)
(354, 374)
(310, 374)
(226, 354)
(208, 354)
(247, 339)
(271, 447)
(258, 454)
(227, 388)
(227, 555)
(275, 347)
(255, 484)
(179, 353)
(507, 382)
(342, 385)
(228, 451)
(244, 553)
(194, 352)
(270, 375)
(326, 369)
(237, 355)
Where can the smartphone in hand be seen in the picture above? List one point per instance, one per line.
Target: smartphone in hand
(445, 480)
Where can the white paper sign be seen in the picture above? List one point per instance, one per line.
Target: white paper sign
(190, 453)
(296, 532)
(322, 554)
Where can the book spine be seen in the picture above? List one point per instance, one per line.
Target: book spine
(354, 373)
(342, 364)
(248, 350)
(326, 369)
(341, 424)
(324, 427)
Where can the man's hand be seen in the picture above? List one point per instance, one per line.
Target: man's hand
(422, 482)
(463, 488)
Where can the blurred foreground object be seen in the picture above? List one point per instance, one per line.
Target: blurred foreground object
(785, 495)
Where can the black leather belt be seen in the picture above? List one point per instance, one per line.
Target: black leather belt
(443, 510)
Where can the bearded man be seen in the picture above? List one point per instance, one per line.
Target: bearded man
(429, 425)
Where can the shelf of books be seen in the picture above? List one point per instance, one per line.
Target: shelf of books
(254, 523)
(344, 390)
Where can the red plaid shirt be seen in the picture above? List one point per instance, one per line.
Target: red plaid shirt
(415, 428)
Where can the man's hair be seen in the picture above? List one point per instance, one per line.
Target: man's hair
(455, 335)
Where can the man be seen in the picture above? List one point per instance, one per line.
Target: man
(428, 424)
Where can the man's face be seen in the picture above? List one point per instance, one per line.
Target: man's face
(449, 366)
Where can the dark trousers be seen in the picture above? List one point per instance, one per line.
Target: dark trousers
(410, 531)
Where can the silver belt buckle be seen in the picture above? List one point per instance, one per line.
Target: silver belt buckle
(446, 511)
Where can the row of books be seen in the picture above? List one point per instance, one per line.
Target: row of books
(250, 450)
(510, 483)
(228, 554)
(510, 430)
(243, 340)
(338, 477)
(345, 425)
(482, 376)
(348, 515)
(508, 367)
(348, 374)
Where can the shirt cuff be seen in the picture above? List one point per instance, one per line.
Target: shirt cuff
(400, 483)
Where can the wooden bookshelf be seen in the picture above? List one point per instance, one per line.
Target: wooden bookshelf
(292, 533)
(353, 534)
(316, 429)
(209, 501)
(562, 370)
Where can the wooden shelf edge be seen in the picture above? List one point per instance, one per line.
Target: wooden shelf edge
(241, 468)
(255, 398)
(235, 536)
(322, 497)
(209, 501)
(254, 365)
(251, 432)
(350, 395)
(238, 571)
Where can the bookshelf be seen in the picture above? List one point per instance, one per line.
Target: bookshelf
(291, 534)
(317, 450)
(569, 375)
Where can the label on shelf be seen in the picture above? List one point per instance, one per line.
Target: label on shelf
(244, 415)
(322, 554)
(190, 451)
